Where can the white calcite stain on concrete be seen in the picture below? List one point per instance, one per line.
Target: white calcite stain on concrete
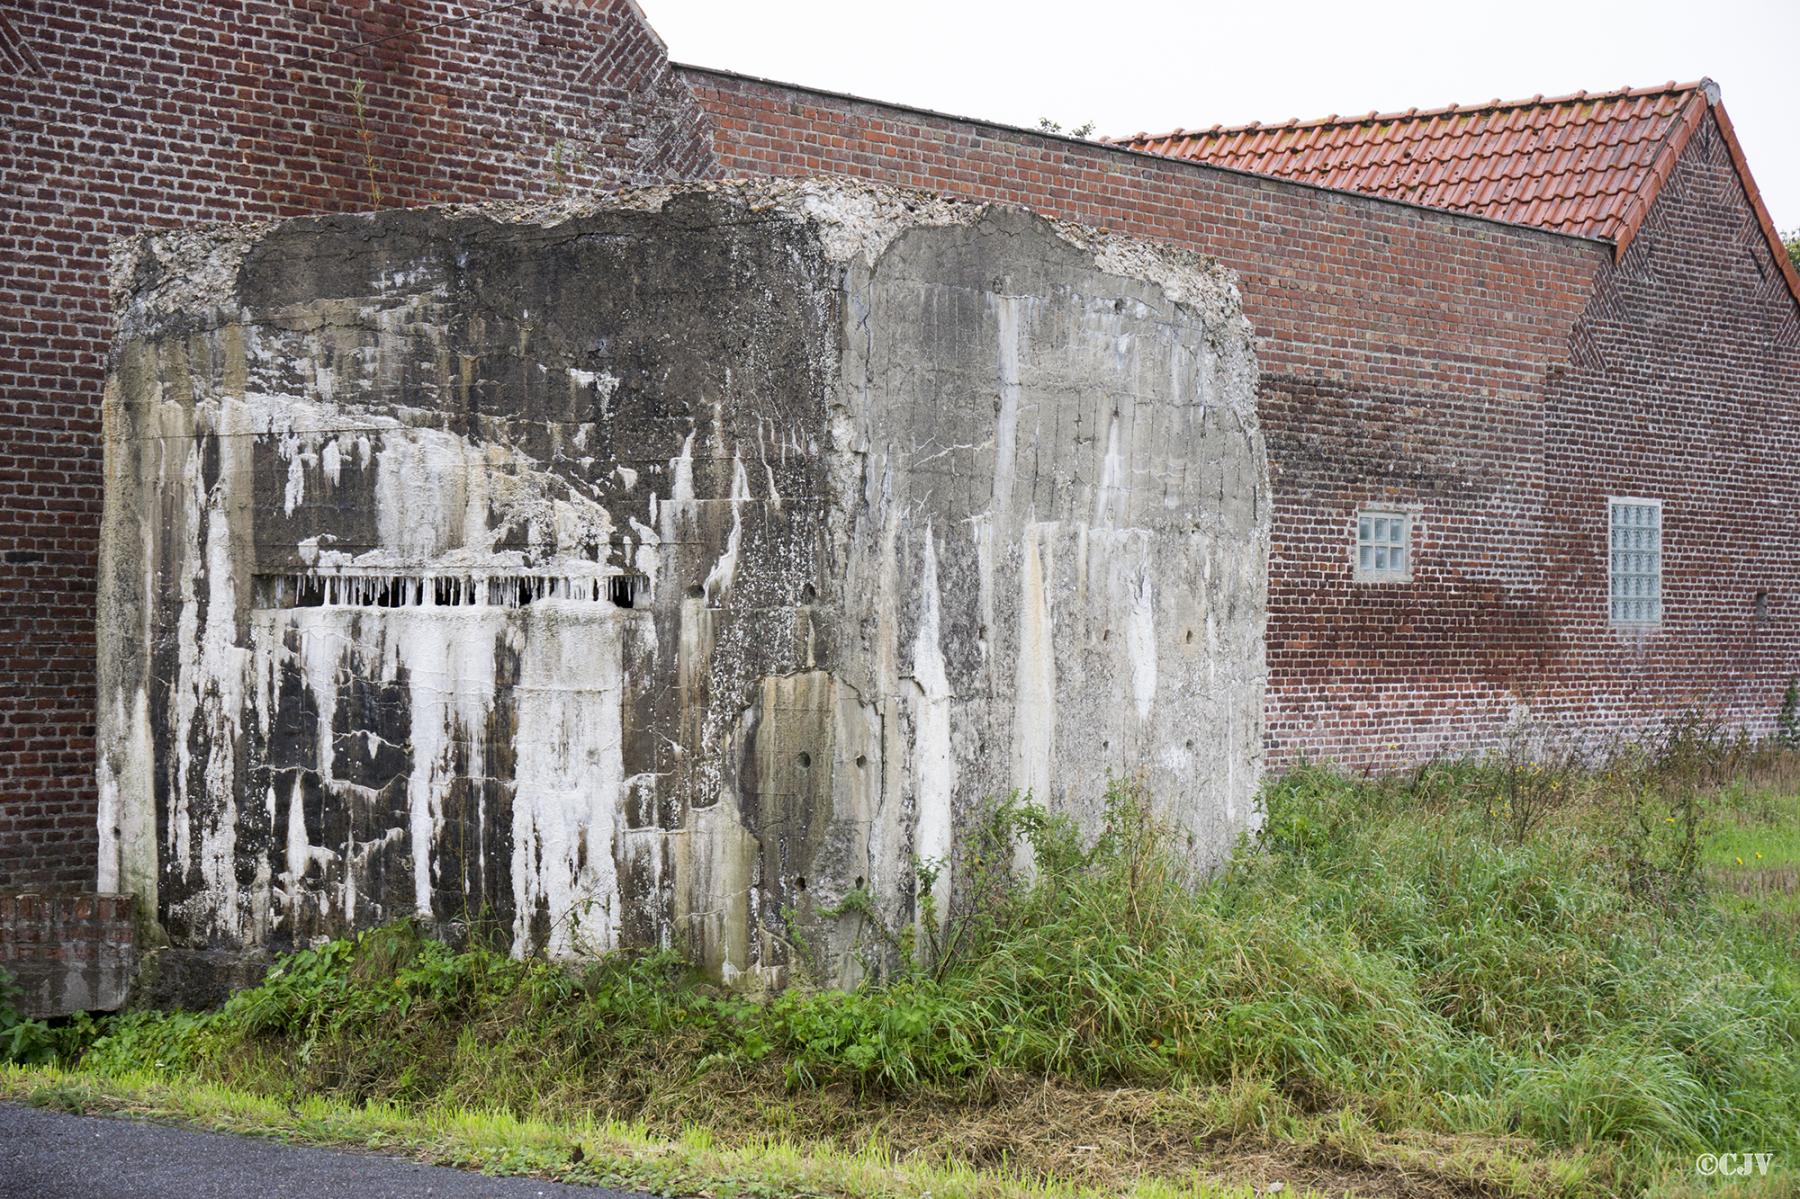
(1006, 420)
(570, 777)
(720, 578)
(1022, 550)
(934, 764)
(1034, 685)
(1140, 645)
(448, 659)
(212, 687)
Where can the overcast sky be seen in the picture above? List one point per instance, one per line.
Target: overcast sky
(1152, 65)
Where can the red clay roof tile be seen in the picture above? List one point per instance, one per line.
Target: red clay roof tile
(1576, 164)
(1584, 164)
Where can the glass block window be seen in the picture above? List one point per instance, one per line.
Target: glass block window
(1383, 546)
(1635, 571)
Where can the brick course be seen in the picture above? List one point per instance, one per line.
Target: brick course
(132, 114)
(1496, 380)
(68, 952)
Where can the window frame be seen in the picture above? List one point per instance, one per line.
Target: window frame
(1372, 575)
(1613, 504)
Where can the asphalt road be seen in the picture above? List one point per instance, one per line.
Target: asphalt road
(49, 1155)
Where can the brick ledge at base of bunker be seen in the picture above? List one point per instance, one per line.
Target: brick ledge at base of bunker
(660, 570)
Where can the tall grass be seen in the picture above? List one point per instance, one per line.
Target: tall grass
(1401, 952)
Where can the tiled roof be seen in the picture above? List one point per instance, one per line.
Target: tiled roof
(1588, 164)
(1575, 164)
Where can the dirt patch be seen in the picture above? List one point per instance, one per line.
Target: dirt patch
(1108, 1139)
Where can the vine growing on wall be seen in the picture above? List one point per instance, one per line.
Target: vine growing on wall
(1791, 239)
(368, 142)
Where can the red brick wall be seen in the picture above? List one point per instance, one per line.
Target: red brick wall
(1422, 360)
(137, 113)
(1684, 386)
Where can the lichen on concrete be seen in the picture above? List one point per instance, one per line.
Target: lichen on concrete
(663, 568)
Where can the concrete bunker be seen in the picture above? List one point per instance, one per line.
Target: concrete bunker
(660, 569)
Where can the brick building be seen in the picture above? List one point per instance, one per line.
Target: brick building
(1514, 338)
(1530, 371)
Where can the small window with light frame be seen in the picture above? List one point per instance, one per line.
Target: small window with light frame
(1383, 552)
(1634, 567)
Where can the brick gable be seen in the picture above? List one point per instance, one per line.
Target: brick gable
(1683, 385)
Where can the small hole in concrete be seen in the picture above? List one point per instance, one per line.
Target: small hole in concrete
(862, 759)
(1190, 745)
(800, 883)
(859, 881)
(809, 593)
(1106, 745)
(1106, 634)
(696, 592)
(1190, 637)
(804, 759)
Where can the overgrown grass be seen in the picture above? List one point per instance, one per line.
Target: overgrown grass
(1406, 986)
(1753, 863)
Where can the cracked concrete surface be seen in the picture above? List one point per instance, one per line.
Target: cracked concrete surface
(663, 568)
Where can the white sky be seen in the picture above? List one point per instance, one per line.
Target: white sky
(1152, 65)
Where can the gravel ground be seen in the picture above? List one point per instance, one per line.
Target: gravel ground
(49, 1155)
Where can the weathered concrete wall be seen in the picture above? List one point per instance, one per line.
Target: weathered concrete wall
(662, 570)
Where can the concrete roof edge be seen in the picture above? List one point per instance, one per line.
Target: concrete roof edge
(1161, 160)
